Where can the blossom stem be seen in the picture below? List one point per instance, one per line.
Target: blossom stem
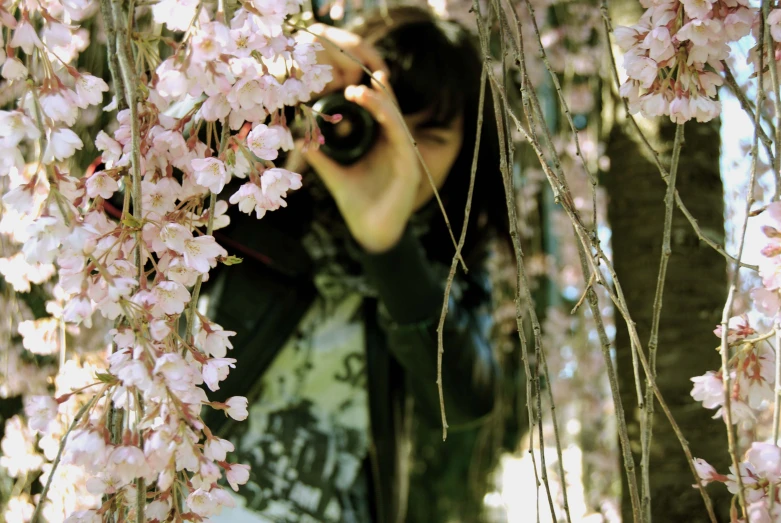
(653, 343)
(209, 229)
(776, 409)
(57, 459)
(770, 48)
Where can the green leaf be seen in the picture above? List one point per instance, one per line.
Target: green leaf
(232, 260)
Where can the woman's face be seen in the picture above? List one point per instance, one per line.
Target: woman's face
(439, 146)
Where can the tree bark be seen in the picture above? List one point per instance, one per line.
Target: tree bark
(694, 294)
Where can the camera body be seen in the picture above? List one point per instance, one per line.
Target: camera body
(349, 139)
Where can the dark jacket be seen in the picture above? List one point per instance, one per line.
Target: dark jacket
(264, 298)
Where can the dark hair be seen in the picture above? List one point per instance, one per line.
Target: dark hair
(436, 65)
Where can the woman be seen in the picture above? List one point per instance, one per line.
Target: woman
(337, 302)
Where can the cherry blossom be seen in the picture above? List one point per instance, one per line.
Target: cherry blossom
(210, 173)
(40, 411)
(216, 449)
(237, 408)
(215, 370)
(101, 185)
(264, 141)
(237, 475)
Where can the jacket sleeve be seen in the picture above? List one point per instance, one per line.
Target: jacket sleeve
(411, 295)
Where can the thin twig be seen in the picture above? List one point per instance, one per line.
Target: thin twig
(616, 296)
(648, 413)
(111, 48)
(510, 198)
(461, 241)
(769, 46)
(591, 176)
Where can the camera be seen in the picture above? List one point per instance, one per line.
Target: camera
(349, 139)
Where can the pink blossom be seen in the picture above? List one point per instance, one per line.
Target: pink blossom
(264, 142)
(159, 197)
(275, 184)
(738, 328)
(201, 253)
(641, 69)
(766, 460)
(175, 269)
(110, 148)
(704, 109)
(40, 411)
(215, 108)
(15, 126)
(659, 44)
(78, 310)
(210, 173)
(250, 197)
(158, 510)
(654, 104)
(626, 37)
(25, 37)
(127, 463)
(216, 342)
(680, 110)
(89, 90)
(176, 14)
(245, 95)
(170, 297)
(700, 32)
(101, 184)
(216, 449)
(215, 370)
(59, 106)
(758, 512)
(756, 376)
(698, 8)
(201, 502)
(84, 516)
(237, 408)
(62, 143)
(708, 389)
(211, 40)
(774, 21)
(738, 24)
(173, 235)
(237, 475)
(14, 69)
(85, 448)
(706, 472)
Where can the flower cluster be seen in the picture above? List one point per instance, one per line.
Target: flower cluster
(230, 71)
(760, 474)
(752, 374)
(674, 53)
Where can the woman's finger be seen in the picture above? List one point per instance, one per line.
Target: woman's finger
(381, 82)
(382, 109)
(347, 52)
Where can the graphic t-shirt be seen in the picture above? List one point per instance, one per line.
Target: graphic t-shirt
(307, 433)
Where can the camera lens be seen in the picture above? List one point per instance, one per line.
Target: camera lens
(349, 139)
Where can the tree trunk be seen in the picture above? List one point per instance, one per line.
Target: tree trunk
(694, 295)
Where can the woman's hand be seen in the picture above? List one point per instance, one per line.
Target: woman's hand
(376, 195)
(341, 49)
